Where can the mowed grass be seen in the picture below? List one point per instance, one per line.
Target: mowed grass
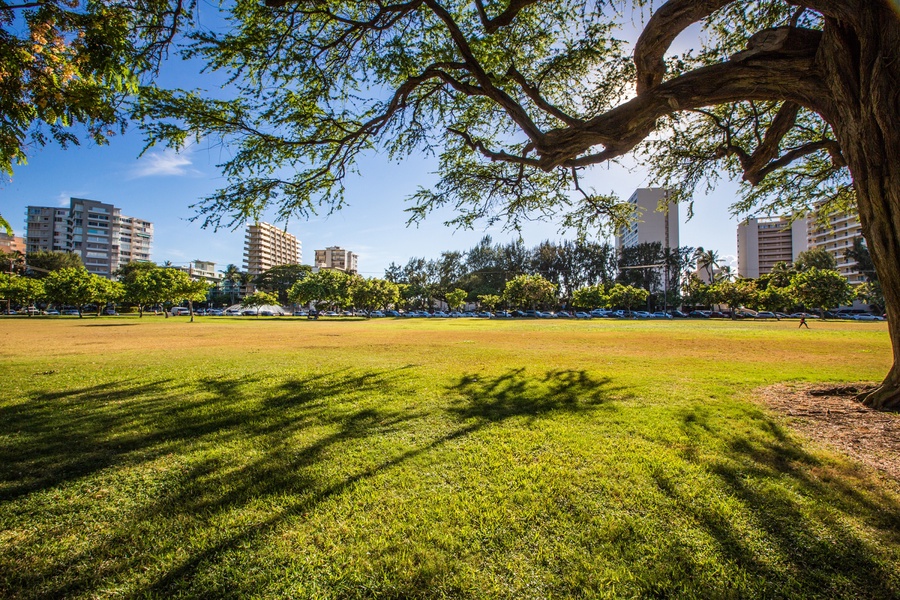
(401, 459)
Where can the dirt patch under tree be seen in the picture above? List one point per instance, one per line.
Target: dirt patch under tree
(831, 415)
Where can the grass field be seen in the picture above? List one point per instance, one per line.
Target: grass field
(464, 458)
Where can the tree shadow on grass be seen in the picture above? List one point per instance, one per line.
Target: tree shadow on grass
(126, 423)
(795, 546)
(516, 394)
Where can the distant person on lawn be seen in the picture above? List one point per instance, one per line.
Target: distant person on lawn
(803, 323)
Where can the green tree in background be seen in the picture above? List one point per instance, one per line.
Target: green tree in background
(529, 291)
(817, 257)
(70, 286)
(456, 298)
(45, 261)
(820, 288)
(258, 299)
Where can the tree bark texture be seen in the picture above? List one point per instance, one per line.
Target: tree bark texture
(860, 62)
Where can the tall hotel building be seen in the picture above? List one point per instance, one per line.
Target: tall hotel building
(655, 220)
(99, 233)
(836, 237)
(761, 243)
(267, 246)
(764, 242)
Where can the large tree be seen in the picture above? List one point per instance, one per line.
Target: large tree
(798, 97)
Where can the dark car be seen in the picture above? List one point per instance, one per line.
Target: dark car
(700, 314)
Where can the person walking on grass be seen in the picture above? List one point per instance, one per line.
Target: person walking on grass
(803, 323)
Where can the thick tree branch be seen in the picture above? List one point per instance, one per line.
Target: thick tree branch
(492, 25)
(671, 19)
(791, 78)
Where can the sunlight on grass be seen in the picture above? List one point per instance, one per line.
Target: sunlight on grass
(431, 459)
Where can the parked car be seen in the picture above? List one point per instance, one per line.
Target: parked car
(700, 314)
(52, 312)
(69, 311)
(10, 311)
(867, 317)
(660, 315)
(179, 311)
(112, 312)
(233, 312)
(376, 313)
(677, 314)
(391, 313)
(215, 312)
(717, 315)
(563, 314)
(582, 315)
(765, 314)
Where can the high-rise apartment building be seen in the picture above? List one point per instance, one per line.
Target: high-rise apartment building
(836, 237)
(45, 229)
(656, 220)
(267, 246)
(763, 242)
(98, 232)
(335, 257)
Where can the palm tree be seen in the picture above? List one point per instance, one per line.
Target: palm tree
(232, 276)
(708, 260)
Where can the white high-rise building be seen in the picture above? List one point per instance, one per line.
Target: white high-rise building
(267, 246)
(836, 237)
(656, 220)
(763, 242)
(98, 232)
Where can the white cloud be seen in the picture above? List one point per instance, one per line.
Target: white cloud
(165, 163)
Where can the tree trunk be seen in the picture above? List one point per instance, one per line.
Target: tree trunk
(861, 64)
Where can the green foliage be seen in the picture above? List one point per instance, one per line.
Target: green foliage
(373, 293)
(105, 291)
(328, 286)
(490, 301)
(736, 294)
(862, 259)
(5, 226)
(279, 280)
(70, 286)
(822, 289)
(457, 298)
(817, 257)
(529, 291)
(46, 260)
(258, 299)
(590, 297)
(626, 296)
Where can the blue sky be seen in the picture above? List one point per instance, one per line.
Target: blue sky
(161, 185)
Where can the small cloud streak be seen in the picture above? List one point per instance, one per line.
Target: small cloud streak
(166, 163)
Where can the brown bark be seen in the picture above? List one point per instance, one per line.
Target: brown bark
(861, 66)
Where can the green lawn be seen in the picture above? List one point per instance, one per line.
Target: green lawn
(525, 459)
